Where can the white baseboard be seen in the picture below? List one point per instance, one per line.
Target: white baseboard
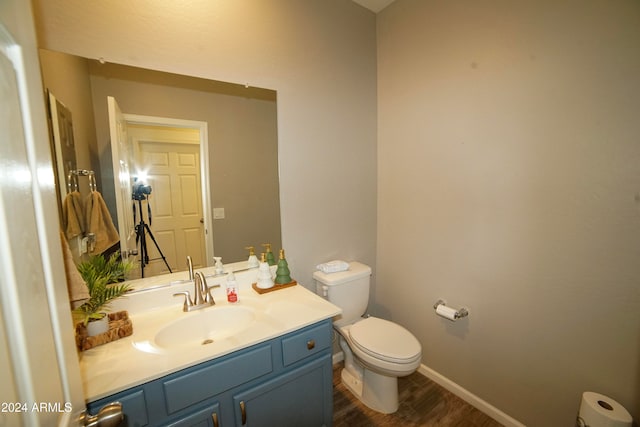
(470, 398)
(338, 357)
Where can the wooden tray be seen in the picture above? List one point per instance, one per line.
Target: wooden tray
(119, 326)
(275, 287)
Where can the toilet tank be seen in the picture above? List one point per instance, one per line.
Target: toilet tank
(348, 289)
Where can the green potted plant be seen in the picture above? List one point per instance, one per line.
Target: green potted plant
(102, 277)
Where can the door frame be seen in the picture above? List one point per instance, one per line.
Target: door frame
(202, 128)
(40, 357)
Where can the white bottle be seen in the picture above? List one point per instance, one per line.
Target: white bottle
(252, 262)
(232, 288)
(218, 265)
(265, 280)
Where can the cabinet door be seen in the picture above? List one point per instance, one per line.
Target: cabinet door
(207, 417)
(302, 397)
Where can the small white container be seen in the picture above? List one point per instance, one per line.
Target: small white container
(232, 288)
(97, 327)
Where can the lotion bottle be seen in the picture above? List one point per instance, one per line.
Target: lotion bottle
(232, 288)
(253, 259)
(271, 260)
(265, 281)
(218, 265)
(283, 275)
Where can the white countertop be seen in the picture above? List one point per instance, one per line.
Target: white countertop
(139, 358)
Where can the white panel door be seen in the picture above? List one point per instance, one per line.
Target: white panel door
(173, 171)
(121, 177)
(40, 375)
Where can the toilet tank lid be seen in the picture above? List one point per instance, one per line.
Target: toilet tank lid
(356, 270)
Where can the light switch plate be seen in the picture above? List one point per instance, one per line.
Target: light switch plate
(218, 213)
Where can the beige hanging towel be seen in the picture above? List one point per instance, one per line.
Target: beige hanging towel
(76, 287)
(72, 215)
(99, 223)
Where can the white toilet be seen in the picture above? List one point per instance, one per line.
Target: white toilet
(376, 351)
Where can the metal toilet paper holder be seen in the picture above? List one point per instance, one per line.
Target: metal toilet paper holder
(460, 313)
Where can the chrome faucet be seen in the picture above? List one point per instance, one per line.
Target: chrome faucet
(190, 265)
(199, 288)
(205, 290)
(202, 294)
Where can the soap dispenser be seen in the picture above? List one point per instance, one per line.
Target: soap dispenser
(265, 281)
(232, 288)
(283, 275)
(271, 260)
(253, 259)
(218, 265)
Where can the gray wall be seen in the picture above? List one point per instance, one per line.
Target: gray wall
(508, 182)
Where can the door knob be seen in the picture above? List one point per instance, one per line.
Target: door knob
(109, 415)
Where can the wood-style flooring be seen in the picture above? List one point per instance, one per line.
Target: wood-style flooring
(422, 403)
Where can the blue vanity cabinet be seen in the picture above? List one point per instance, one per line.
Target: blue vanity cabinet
(285, 381)
(294, 399)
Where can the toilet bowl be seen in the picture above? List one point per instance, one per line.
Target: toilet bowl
(376, 351)
(384, 346)
(374, 361)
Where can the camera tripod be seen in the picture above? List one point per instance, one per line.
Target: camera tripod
(141, 230)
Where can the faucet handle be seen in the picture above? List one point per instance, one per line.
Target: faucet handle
(187, 300)
(208, 298)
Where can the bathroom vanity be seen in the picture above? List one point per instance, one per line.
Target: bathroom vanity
(265, 360)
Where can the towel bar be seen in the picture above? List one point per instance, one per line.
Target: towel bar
(72, 180)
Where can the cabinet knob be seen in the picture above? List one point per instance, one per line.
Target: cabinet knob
(214, 418)
(311, 344)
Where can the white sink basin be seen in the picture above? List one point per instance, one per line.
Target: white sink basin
(205, 326)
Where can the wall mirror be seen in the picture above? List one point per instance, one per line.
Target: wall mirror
(167, 119)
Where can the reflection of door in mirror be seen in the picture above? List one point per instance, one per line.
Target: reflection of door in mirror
(121, 177)
(169, 157)
(64, 146)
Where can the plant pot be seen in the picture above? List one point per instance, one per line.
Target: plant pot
(97, 327)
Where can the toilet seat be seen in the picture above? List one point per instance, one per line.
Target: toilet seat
(385, 340)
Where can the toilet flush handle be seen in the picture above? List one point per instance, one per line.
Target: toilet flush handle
(325, 291)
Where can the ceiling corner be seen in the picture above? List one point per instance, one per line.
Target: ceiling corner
(374, 5)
